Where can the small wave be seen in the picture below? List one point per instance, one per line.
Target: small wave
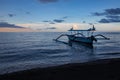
(115, 53)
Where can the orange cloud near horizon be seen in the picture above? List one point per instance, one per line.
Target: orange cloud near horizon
(16, 30)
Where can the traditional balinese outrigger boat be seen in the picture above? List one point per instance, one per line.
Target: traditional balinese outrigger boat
(78, 36)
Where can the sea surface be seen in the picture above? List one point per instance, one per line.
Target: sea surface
(26, 50)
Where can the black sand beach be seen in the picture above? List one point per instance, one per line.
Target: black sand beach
(106, 69)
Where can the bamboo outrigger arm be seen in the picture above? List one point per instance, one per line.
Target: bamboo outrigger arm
(60, 36)
(102, 36)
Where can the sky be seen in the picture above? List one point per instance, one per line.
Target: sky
(59, 15)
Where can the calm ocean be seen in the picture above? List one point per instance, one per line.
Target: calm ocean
(21, 51)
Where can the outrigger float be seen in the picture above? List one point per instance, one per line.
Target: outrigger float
(78, 36)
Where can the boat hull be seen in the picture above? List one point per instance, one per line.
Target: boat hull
(86, 40)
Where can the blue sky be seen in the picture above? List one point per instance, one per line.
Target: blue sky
(60, 15)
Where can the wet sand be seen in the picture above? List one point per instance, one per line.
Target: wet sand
(106, 69)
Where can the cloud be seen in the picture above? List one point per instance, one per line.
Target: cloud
(51, 23)
(51, 28)
(84, 22)
(111, 15)
(112, 11)
(58, 20)
(48, 1)
(65, 17)
(98, 14)
(104, 21)
(5, 24)
(46, 29)
(46, 21)
(112, 20)
(11, 15)
(28, 13)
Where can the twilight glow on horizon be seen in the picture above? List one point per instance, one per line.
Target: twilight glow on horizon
(58, 15)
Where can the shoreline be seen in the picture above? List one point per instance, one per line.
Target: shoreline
(105, 69)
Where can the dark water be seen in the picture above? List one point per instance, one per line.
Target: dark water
(20, 51)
